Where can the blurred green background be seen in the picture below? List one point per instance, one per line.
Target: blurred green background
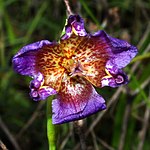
(125, 125)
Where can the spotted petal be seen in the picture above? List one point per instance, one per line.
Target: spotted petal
(92, 55)
(24, 62)
(77, 99)
(101, 58)
(121, 52)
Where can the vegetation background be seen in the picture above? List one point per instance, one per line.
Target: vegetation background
(124, 125)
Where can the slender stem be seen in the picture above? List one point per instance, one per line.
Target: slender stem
(9, 135)
(125, 124)
(3, 146)
(141, 57)
(79, 127)
(2, 52)
(51, 131)
(68, 7)
(144, 130)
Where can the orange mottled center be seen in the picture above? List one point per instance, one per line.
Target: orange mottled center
(76, 56)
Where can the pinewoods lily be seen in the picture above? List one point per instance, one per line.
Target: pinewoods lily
(71, 67)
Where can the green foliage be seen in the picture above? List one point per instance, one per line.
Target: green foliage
(23, 22)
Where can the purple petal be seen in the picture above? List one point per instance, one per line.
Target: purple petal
(42, 93)
(37, 82)
(38, 91)
(122, 55)
(66, 112)
(24, 61)
(74, 25)
(121, 52)
(118, 78)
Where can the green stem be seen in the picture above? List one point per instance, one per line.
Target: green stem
(2, 51)
(141, 57)
(51, 131)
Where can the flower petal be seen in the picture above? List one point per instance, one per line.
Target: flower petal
(24, 61)
(77, 99)
(42, 93)
(121, 51)
(38, 91)
(75, 25)
(101, 56)
(92, 55)
(48, 62)
(117, 78)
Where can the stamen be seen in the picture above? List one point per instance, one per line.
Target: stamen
(76, 70)
(68, 7)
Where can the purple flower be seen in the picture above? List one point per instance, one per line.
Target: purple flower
(72, 66)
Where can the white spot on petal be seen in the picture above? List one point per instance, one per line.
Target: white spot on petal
(105, 82)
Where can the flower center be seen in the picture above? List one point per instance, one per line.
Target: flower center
(67, 63)
(72, 67)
